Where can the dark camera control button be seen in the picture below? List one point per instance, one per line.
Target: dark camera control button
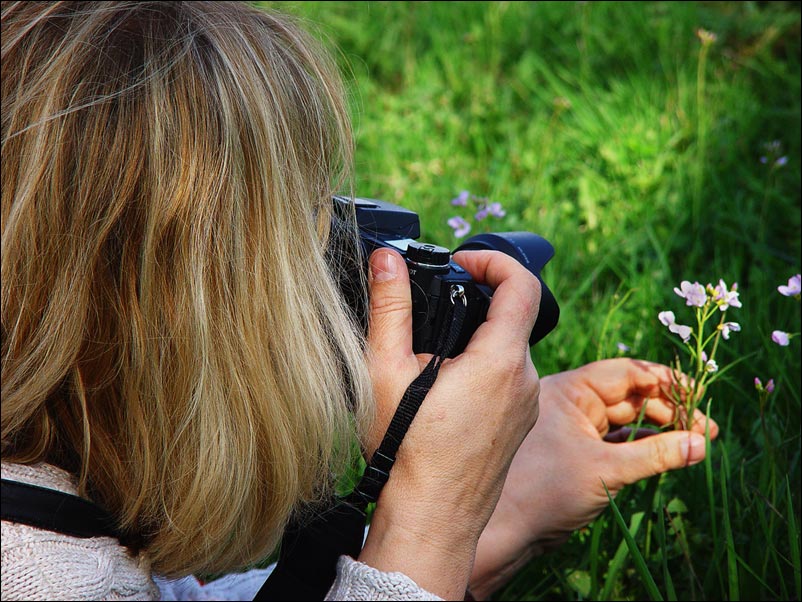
(425, 254)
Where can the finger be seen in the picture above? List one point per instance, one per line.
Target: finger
(619, 379)
(625, 384)
(657, 411)
(636, 460)
(390, 317)
(516, 297)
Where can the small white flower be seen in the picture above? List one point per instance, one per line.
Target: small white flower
(667, 319)
(728, 327)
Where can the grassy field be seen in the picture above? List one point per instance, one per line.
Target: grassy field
(650, 143)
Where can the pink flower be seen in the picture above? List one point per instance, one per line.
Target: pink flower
(667, 318)
(780, 337)
(728, 327)
(461, 200)
(710, 364)
(461, 227)
(496, 210)
(769, 385)
(726, 297)
(794, 286)
(694, 294)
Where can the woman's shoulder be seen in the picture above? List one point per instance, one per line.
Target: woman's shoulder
(41, 474)
(42, 564)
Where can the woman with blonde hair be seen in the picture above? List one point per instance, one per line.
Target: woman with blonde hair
(176, 348)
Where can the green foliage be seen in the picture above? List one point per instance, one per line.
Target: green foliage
(604, 127)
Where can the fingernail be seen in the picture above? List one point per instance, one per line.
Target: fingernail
(694, 450)
(383, 267)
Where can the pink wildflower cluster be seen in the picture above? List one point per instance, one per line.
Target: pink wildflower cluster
(707, 299)
(483, 208)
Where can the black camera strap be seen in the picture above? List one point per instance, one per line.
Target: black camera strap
(53, 510)
(310, 549)
(378, 470)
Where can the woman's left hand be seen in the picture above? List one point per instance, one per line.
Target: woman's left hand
(554, 485)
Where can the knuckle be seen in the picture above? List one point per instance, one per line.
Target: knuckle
(388, 304)
(661, 457)
(529, 291)
(533, 291)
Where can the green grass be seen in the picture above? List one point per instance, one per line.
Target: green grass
(609, 129)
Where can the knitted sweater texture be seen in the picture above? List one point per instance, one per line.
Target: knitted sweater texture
(43, 565)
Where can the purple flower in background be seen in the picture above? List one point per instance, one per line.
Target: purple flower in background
(726, 298)
(781, 161)
(758, 384)
(496, 210)
(728, 327)
(793, 288)
(483, 208)
(780, 337)
(623, 347)
(667, 318)
(461, 200)
(461, 227)
(694, 294)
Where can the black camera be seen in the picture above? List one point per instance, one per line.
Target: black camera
(437, 281)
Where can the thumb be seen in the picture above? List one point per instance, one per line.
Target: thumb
(390, 320)
(655, 455)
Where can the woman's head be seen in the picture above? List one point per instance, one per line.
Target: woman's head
(170, 327)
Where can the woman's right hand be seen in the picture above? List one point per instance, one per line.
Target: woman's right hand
(453, 461)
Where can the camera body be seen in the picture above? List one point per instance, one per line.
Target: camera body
(437, 281)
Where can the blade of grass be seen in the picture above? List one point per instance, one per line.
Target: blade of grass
(679, 528)
(617, 562)
(600, 352)
(660, 533)
(793, 540)
(640, 563)
(711, 497)
(732, 564)
(770, 553)
(749, 569)
(638, 424)
(595, 540)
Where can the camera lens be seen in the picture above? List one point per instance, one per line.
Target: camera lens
(533, 252)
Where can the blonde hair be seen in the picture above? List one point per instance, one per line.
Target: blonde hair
(171, 329)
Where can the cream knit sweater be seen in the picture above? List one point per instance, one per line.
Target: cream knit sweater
(43, 565)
